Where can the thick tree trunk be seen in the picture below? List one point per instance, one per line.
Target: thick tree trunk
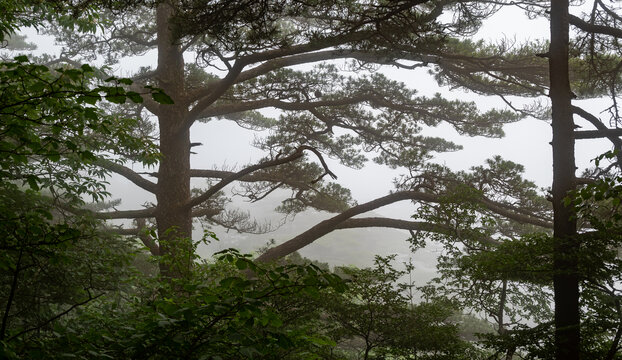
(565, 278)
(173, 216)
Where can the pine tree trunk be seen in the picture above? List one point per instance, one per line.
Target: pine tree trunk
(173, 217)
(565, 278)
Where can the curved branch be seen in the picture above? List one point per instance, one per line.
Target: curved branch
(142, 233)
(306, 58)
(213, 93)
(502, 210)
(290, 61)
(150, 104)
(593, 28)
(333, 223)
(128, 174)
(363, 56)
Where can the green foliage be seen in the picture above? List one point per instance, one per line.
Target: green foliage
(229, 309)
(376, 312)
(51, 129)
(55, 258)
(381, 115)
(597, 207)
(75, 15)
(247, 27)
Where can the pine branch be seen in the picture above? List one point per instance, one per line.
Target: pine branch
(142, 233)
(306, 58)
(298, 153)
(128, 174)
(241, 106)
(594, 28)
(124, 214)
(144, 213)
(333, 223)
(218, 88)
(251, 178)
(214, 93)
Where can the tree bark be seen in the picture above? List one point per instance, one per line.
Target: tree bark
(565, 278)
(173, 217)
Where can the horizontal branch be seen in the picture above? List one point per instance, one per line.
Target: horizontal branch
(148, 213)
(373, 99)
(205, 212)
(124, 232)
(127, 214)
(597, 134)
(392, 223)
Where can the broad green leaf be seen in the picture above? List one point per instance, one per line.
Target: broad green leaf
(162, 98)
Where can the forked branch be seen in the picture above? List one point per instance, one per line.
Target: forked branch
(603, 131)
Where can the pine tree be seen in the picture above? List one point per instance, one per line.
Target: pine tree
(325, 113)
